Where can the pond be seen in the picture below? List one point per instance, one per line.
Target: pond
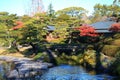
(62, 72)
(67, 72)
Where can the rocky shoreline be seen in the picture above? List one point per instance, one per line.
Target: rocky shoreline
(25, 67)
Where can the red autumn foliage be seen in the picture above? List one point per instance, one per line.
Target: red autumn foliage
(19, 25)
(115, 27)
(86, 30)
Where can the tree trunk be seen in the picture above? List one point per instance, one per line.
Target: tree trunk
(14, 45)
(51, 56)
(34, 48)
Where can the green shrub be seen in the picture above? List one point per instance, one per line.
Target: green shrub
(90, 57)
(108, 40)
(110, 50)
(12, 50)
(116, 42)
(38, 56)
(62, 59)
(116, 36)
(71, 60)
(115, 67)
(28, 52)
(43, 57)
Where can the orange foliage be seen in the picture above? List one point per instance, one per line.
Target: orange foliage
(19, 25)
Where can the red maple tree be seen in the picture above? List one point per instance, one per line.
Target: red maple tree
(87, 30)
(115, 27)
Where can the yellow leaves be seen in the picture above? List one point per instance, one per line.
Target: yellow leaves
(81, 60)
(90, 57)
(74, 57)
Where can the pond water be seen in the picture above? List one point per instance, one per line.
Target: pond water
(62, 72)
(66, 72)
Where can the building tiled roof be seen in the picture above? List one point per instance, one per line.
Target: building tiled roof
(103, 26)
(50, 28)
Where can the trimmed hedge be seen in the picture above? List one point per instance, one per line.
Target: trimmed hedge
(117, 36)
(110, 50)
(116, 42)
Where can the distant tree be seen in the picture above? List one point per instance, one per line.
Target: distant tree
(25, 18)
(114, 9)
(116, 1)
(50, 11)
(104, 11)
(63, 17)
(101, 9)
(42, 18)
(72, 11)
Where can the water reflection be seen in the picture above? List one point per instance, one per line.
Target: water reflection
(66, 72)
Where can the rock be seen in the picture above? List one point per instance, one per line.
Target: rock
(25, 67)
(12, 74)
